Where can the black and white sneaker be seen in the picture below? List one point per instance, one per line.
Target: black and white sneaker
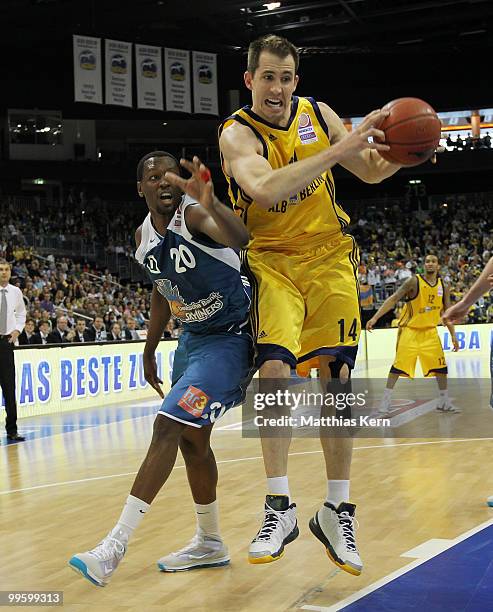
(335, 529)
(278, 529)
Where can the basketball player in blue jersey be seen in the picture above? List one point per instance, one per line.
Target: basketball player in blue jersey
(197, 279)
(457, 312)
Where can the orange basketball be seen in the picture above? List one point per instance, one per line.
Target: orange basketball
(412, 131)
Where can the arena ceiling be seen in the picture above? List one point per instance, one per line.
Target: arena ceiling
(323, 26)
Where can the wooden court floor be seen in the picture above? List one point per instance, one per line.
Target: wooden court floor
(61, 494)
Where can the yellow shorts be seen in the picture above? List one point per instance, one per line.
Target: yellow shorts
(423, 343)
(305, 304)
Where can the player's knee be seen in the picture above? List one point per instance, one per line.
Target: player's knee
(165, 430)
(340, 370)
(194, 451)
(274, 368)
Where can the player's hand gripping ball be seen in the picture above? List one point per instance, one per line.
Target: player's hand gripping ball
(412, 131)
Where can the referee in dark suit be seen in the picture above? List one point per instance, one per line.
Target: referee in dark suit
(12, 320)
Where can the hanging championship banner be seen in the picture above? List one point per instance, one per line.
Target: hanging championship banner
(177, 77)
(88, 85)
(118, 73)
(205, 83)
(149, 77)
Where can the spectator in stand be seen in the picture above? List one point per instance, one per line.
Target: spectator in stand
(36, 316)
(171, 330)
(130, 330)
(115, 333)
(61, 334)
(404, 272)
(81, 334)
(44, 331)
(97, 331)
(29, 335)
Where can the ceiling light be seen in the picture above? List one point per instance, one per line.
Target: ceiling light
(410, 42)
(471, 32)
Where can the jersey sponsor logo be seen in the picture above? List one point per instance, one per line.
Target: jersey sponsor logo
(193, 312)
(177, 219)
(194, 401)
(311, 188)
(440, 291)
(151, 264)
(306, 130)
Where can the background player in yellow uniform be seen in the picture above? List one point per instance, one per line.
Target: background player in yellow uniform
(277, 156)
(426, 297)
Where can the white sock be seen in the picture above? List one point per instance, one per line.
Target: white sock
(387, 394)
(337, 491)
(208, 519)
(443, 396)
(278, 485)
(133, 512)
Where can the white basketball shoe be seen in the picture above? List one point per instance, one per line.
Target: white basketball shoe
(202, 551)
(335, 529)
(446, 407)
(100, 563)
(385, 406)
(278, 529)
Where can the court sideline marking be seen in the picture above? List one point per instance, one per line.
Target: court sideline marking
(400, 572)
(224, 461)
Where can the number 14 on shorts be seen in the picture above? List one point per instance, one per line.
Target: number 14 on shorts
(351, 333)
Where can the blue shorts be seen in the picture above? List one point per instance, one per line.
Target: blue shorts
(210, 375)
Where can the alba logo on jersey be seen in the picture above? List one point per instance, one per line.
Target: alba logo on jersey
(193, 401)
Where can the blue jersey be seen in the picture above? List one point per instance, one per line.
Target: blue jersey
(200, 279)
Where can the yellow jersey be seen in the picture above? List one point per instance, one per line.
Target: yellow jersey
(307, 219)
(423, 311)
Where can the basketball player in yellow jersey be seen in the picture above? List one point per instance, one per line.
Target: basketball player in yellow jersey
(277, 156)
(426, 299)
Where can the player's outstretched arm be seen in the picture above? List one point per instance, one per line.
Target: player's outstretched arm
(354, 151)
(449, 324)
(458, 311)
(406, 289)
(160, 315)
(212, 217)
(243, 160)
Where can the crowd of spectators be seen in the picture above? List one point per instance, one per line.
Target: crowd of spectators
(87, 218)
(469, 142)
(394, 242)
(68, 301)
